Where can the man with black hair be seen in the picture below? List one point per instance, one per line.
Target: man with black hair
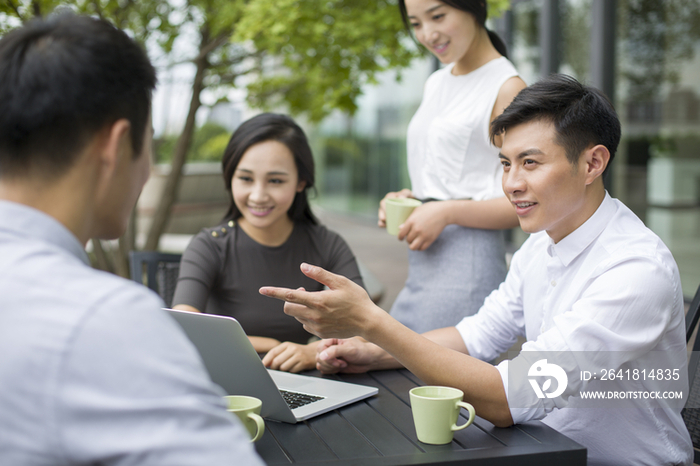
(592, 289)
(93, 371)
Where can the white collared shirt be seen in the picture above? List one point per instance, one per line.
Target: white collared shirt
(609, 287)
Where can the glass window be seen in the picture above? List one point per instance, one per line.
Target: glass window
(525, 53)
(658, 99)
(361, 158)
(576, 38)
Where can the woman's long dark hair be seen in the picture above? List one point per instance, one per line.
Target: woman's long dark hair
(476, 8)
(272, 127)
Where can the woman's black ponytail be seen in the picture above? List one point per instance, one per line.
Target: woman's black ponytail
(497, 43)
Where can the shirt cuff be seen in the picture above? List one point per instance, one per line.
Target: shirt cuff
(519, 415)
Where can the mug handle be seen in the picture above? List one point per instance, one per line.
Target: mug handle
(261, 426)
(469, 408)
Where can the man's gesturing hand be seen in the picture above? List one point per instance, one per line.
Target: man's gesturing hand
(343, 310)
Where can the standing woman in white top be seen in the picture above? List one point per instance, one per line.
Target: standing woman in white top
(456, 246)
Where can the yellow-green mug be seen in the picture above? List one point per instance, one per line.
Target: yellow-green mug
(435, 411)
(397, 210)
(247, 408)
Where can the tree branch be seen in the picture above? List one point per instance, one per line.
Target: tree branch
(233, 61)
(15, 8)
(211, 46)
(98, 9)
(162, 213)
(238, 59)
(229, 78)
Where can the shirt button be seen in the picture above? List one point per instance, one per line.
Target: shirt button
(554, 283)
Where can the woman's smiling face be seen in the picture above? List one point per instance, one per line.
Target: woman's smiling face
(264, 185)
(449, 33)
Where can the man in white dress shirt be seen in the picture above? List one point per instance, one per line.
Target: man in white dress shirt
(92, 370)
(592, 289)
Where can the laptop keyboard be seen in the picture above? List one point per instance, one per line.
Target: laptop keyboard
(296, 400)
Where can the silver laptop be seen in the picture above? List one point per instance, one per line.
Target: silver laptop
(234, 364)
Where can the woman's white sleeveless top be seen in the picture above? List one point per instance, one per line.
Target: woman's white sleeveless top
(450, 155)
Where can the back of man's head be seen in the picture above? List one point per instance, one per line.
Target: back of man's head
(63, 79)
(582, 116)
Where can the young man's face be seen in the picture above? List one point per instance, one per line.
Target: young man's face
(547, 191)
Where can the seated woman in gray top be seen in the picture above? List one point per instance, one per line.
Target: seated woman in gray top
(268, 232)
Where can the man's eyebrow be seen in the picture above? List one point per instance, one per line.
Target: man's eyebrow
(525, 153)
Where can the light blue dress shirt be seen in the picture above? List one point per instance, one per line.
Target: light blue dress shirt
(92, 371)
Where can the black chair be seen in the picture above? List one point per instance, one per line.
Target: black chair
(692, 316)
(691, 416)
(156, 270)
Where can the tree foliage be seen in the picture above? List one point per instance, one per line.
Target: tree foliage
(497, 7)
(327, 49)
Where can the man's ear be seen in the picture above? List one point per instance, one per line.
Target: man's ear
(597, 159)
(116, 144)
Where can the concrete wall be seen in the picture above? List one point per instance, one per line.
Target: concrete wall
(202, 199)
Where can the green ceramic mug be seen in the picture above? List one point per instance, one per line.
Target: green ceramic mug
(435, 411)
(247, 408)
(397, 211)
